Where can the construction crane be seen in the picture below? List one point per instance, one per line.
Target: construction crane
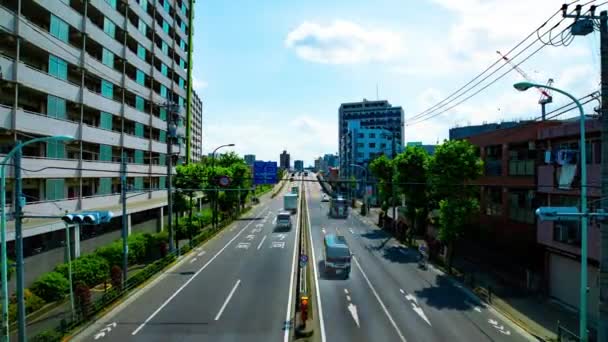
(545, 95)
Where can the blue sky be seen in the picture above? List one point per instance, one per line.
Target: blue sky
(272, 73)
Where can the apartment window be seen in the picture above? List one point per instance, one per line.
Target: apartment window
(105, 186)
(163, 91)
(59, 28)
(181, 82)
(182, 63)
(166, 6)
(359, 144)
(55, 189)
(182, 25)
(55, 149)
(139, 157)
(180, 101)
(56, 107)
(360, 154)
(105, 120)
(164, 47)
(382, 145)
(107, 58)
(141, 26)
(165, 27)
(162, 136)
(139, 103)
(493, 201)
(163, 69)
(141, 52)
(139, 129)
(58, 67)
(161, 159)
(372, 145)
(107, 89)
(372, 135)
(360, 135)
(184, 10)
(143, 4)
(112, 3)
(163, 114)
(138, 183)
(182, 44)
(140, 77)
(162, 182)
(105, 152)
(109, 27)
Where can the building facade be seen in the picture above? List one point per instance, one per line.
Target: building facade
(250, 159)
(467, 131)
(285, 162)
(196, 129)
(374, 123)
(298, 165)
(102, 72)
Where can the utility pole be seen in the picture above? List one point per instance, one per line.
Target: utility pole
(125, 222)
(603, 307)
(19, 248)
(172, 119)
(393, 190)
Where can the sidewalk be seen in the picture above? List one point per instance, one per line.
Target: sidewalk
(536, 314)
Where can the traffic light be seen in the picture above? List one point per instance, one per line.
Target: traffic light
(558, 214)
(88, 217)
(304, 309)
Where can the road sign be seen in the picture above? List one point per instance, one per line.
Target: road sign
(265, 172)
(304, 258)
(224, 181)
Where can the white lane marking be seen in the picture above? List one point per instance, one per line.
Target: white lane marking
(477, 309)
(227, 299)
(282, 236)
(293, 273)
(401, 290)
(261, 242)
(353, 312)
(369, 283)
(346, 291)
(181, 288)
(259, 225)
(411, 298)
(100, 335)
(348, 298)
(243, 245)
(278, 244)
(201, 253)
(316, 279)
(256, 230)
(351, 231)
(250, 237)
(500, 328)
(193, 260)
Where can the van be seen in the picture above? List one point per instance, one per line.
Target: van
(337, 255)
(284, 220)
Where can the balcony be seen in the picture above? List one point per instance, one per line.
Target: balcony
(545, 231)
(102, 70)
(108, 11)
(139, 11)
(525, 215)
(36, 79)
(41, 124)
(164, 80)
(166, 16)
(138, 170)
(521, 167)
(137, 88)
(100, 136)
(6, 117)
(63, 11)
(96, 169)
(7, 19)
(493, 167)
(137, 116)
(547, 183)
(102, 38)
(95, 100)
(136, 143)
(159, 147)
(41, 167)
(139, 37)
(159, 123)
(139, 63)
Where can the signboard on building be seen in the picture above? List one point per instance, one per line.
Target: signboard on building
(264, 172)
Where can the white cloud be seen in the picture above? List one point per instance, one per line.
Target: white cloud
(344, 42)
(198, 84)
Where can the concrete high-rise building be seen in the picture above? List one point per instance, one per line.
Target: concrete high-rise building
(298, 165)
(284, 160)
(331, 160)
(196, 129)
(100, 71)
(250, 159)
(366, 130)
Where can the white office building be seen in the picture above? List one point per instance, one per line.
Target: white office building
(196, 129)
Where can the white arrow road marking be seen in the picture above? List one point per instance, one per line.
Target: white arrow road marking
(492, 321)
(193, 260)
(201, 253)
(505, 332)
(100, 335)
(278, 244)
(348, 298)
(282, 236)
(261, 242)
(346, 291)
(323, 230)
(417, 309)
(256, 230)
(250, 237)
(259, 225)
(353, 311)
(243, 245)
(477, 309)
(113, 324)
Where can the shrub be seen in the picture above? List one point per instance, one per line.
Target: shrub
(116, 277)
(137, 248)
(90, 269)
(51, 286)
(48, 336)
(32, 303)
(83, 298)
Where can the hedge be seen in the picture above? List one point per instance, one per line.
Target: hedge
(32, 303)
(90, 269)
(51, 286)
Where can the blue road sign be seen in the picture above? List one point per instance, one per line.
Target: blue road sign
(303, 258)
(264, 172)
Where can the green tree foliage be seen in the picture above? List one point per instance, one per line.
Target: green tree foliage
(51, 286)
(412, 178)
(382, 169)
(90, 269)
(455, 164)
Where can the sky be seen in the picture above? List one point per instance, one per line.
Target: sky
(272, 74)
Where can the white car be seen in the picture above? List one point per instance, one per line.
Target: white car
(325, 198)
(284, 220)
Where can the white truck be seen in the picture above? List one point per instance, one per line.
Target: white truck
(290, 202)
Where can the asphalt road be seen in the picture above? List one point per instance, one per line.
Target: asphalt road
(387, 297)
(235, 287)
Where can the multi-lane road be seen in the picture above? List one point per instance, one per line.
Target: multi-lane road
(236, 287)
(239, 286)
(387, 297)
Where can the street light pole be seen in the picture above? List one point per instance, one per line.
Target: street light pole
(522, 86)
(215, 200)
(3, 257)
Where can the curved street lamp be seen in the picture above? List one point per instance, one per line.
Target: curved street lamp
(523, 86)
(3, 259)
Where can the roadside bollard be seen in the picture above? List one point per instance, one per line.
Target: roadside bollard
(304, 310)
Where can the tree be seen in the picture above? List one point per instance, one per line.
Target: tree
(83, 299)
(412, 178)
(455, 164)
(382, 169)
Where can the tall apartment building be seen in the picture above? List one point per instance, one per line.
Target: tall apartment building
(250, 159)
(298, 165)
(100, 71)
(371, 119)
(196, 128)
(284, 161)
